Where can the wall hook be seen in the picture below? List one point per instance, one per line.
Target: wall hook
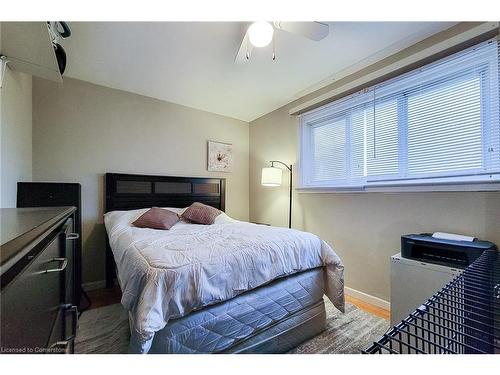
(3, 64)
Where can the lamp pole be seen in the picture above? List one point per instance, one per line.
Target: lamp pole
(289, 167)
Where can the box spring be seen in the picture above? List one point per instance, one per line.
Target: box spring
(270, 319)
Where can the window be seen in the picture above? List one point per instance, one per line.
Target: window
(438, 124)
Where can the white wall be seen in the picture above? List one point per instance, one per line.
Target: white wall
(81, 131)
(15, 134)
(364, 228)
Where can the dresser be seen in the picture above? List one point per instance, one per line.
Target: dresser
(37, 265)
(56, 194)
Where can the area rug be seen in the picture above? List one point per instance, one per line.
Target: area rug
(105, 330)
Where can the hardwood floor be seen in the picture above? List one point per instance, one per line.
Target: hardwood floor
(104, 297)
(369, 308)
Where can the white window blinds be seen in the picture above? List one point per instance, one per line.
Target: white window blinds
(330, 150)
(439, 123)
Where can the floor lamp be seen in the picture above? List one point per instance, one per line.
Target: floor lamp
(271, 176)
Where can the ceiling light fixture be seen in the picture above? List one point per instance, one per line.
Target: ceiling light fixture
(260, 33)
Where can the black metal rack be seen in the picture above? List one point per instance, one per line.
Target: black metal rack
(462, 318)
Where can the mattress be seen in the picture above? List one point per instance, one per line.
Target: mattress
(166, 275)
(246, 322)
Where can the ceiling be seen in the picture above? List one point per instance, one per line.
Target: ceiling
(192, 63)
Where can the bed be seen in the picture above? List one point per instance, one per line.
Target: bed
(230, 287)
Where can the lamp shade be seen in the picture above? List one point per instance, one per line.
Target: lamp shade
(271, 176)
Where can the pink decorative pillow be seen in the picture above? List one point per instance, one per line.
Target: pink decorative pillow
(201, 213)
(157, 218)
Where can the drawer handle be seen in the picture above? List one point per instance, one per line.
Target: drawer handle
(61, 268)
(72, 236)
(61, 346)
(74, 321)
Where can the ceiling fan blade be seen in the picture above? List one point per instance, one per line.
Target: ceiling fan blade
(312, 30)
(245, 50)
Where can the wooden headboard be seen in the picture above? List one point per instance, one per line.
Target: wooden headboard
(135, 191)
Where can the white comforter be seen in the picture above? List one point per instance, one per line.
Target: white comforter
(168, 274)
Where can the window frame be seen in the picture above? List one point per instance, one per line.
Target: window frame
(453, 181)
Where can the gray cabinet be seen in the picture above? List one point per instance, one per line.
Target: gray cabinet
(37, 311)
(28, 48)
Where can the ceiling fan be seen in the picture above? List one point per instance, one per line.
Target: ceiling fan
(261, 33)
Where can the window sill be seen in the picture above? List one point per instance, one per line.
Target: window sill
(404, 188)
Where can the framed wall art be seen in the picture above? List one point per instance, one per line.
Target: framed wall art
(220, 157)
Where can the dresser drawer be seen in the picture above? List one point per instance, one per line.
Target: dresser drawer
(62, 339)
(32, 302)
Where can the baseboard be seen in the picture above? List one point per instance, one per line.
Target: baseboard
(368, 298)
(93, 285)
(101, 284)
